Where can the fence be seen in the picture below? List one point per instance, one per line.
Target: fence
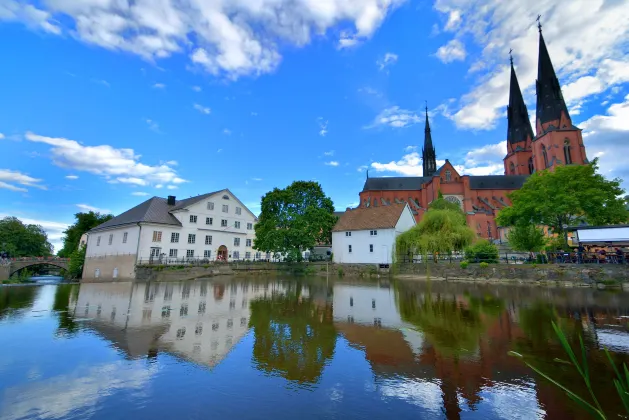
(524, 258)
(506, 258)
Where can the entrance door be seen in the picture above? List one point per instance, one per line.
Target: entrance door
(221, 254)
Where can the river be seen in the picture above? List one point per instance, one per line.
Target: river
(297, 348)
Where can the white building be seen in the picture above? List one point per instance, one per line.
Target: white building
(367, 235)
(209, 227)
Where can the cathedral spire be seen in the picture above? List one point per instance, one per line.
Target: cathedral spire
(519, 126)
(429, 156)
(550, 102)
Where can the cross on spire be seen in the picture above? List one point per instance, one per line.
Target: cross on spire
(511, 56)
(539, 23)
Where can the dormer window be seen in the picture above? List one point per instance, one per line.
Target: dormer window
(225, 197)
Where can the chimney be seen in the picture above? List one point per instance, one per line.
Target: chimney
(171, 200)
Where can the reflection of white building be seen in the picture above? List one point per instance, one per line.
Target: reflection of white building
(199, 321)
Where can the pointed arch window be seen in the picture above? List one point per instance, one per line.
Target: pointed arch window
(448, 176)
(531, 167)
(566, 152)
(545, 154)
(512, 168)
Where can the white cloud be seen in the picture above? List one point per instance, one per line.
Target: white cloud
(585, 40)
(202, 109)
(159, 86)
(118, 165)
(388, 60)
(72, 177)
(323, 127)
(196, 88)
(362, 168)
(140, 193)
(86, 207)
(410, 148)
(231, 38)
(410, 165)
(227, 132)
(1, 136)
(172, 187)
(395, 117)
(158, 186)
(256, 179)
(9, 179)
(219, 150)
(253, 113)
(54, 230)
(101, 82)
(452, 51)
(329, 153)
(332, 163)
(153, 125)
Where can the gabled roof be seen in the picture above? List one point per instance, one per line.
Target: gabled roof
(153, 210)
(192, 200)
(383, 217)
(497, 182)
(399, 183)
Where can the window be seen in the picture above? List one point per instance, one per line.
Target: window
(258, 255)
(377, 322)
(448, 176)
(236, 241)
(183, 311)
(373, 232)
(172, 253)
(249, 226)
(215, 326)
(230, 324)
(209, 220)
(348, 233)
(199, 329)
(223, 223)
(181, 332)
(210, 205)
(247, 255)
(193, 218)
(208, 239)
(98, 241)
(124, 237)
(531, 167)
(202, 307)
(545, 155)
(225, 208)
(236, 255)
(157, 236)
(566, 152)
(192, 238)
(370, 247)
(373, 303)
(232, 303)
(351, 301)
(243, 322)
(225, 197)
(350, 249)
(512, 168)
(165, 311)
(207, 254)
(190, 253)
(248, 242)
(111, 238)
(174, 238)
(237, 225)
(238, 210)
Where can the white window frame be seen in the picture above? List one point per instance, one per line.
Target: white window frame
(172, 253)
(208, 239)
(236, 241)
(225, 208)
(209, 221)
(207, 253)
(98, 241)
(370, 247)
(238, 210)
(348, 233)
(236, 255)
(192, 238)
(247, 255)
(125, 236)
(189, 253)
(373, 232)
(111, 238)
(174, 238)
(210, 205)
(223, 222)
(349, 248)
(193, 218)
(157, 236)
(249, 226)
(247, 242)
(237, 225)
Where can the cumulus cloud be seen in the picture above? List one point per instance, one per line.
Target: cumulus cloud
(72, 177)
(332, 163)
(231, 38)
(395, 117)
(585, 40)
(329, 153)
(196, 88)
(452, 51)
(1, 136)
(17, 181)
(386, 61)
(139, 193)
(159, 86)
(87, 207)
(115, 165)
(202, 109)
(227, 132)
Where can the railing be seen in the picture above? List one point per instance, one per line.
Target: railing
(525, 258)
(34, 259)
(588, 258)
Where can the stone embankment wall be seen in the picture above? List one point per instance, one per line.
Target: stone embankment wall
(4, 272)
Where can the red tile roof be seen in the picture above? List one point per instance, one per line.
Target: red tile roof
(382, 217)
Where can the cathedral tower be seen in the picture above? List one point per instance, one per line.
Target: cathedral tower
(429, 156)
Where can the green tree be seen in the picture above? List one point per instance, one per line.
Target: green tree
(567, 196)
(21, 240)
(294, 219)
(443, 229)
(528, 238)
(75, 266)
(84, 222)
(482, 251)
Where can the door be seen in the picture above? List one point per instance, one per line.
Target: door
(385, 255)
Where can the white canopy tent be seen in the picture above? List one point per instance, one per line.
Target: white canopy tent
(617, 235)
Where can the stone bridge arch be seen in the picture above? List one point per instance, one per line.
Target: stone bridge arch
(16, 266)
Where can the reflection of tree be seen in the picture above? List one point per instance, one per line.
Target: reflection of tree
(63, 294)
(13, 299)
(293, 336)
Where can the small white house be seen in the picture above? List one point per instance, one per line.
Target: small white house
(367, 235)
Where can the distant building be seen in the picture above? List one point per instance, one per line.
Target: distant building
(83, 241)
(367, 235)
(556, 142)
(213, 226)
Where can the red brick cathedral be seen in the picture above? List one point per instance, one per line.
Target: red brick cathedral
(557, 142)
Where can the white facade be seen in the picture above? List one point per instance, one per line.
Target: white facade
(370, 246)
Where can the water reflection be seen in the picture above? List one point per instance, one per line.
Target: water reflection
(346, 350)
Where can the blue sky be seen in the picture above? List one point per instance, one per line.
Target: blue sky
(103, 105)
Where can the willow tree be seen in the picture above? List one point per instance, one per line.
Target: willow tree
(442, 230)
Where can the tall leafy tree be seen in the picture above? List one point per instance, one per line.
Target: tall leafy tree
(567, 196)
(21, 240)
(84, 222)
(528, 238)
(294, 219)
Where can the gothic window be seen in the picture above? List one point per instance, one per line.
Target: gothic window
(512, 168)
(488, 230)
(454, 200)
(545, 154)
(566, 152)
(448, 176)
(531, 167)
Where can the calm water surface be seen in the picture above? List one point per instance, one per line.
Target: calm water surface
(295, 348)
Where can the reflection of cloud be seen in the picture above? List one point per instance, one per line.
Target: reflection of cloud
(511, 401)
(414, 391)
(61, 395)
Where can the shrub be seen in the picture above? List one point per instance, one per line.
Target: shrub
(484, 265)
(482, 251)
(464, 264)
(341, 272)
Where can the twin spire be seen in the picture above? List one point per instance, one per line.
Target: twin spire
(429, 156)
(550, 102)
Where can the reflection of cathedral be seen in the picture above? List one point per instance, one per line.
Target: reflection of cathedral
(556, 142)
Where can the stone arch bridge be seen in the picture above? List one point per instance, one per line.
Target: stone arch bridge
(9, 267)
